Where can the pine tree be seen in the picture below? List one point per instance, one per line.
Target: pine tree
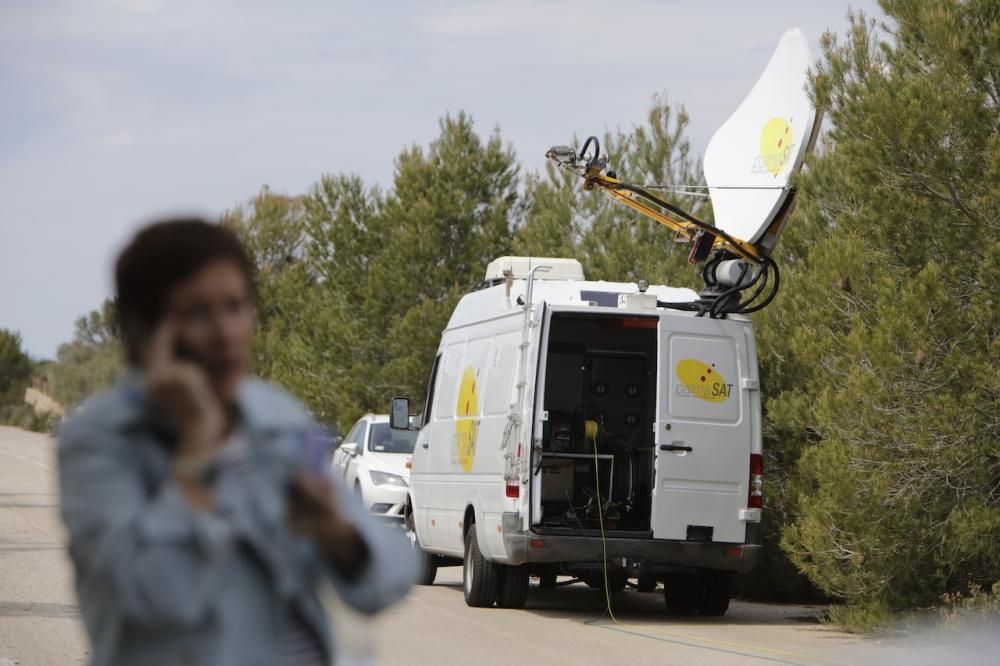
(880, 355)
(15, 367)
(453, 208)
(352, 311)
(272, 228)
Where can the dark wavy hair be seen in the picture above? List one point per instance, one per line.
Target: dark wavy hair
(161, 256)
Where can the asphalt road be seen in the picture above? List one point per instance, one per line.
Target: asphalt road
(39, 622)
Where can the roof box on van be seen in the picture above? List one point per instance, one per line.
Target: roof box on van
(559, 269)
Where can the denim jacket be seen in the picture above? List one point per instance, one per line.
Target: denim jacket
(160, 583)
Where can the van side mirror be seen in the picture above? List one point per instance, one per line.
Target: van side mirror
(399, 414)
(351, 449)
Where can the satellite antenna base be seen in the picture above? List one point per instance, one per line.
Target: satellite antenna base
(716, 303)
(732, 286)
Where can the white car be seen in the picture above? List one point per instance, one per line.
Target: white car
(374, 461)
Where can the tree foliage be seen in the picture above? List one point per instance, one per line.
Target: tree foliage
(880, 357)
(356, 316)
(91, 361)
(272, 228)
(15, 367)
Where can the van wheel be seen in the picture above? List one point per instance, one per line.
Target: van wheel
(683, 593)
(717, 590)
(428, 563)
(512, 586)
(479, 575)
(428, 568)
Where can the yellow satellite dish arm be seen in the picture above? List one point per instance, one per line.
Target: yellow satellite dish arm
(643, 201)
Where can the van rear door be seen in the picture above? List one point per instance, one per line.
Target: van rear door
(703, 430)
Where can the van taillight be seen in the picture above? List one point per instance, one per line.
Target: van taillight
(513, 489)
(755, 499)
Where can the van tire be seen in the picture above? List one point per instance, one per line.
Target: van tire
(717, 590)
(683, 593)
(512, 586)
(479, 575)
(428, 568)
(427, 562)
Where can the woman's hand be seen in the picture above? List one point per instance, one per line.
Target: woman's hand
(181, 389)
(313, 512)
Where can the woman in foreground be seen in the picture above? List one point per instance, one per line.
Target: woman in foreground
(199, 510)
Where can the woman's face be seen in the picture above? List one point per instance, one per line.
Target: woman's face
(214, 321)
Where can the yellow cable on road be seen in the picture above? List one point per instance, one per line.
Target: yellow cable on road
(591, 429)
(741, 649)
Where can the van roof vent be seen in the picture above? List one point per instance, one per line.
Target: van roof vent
(559, 269)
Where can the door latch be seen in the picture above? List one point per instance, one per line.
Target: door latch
(675, 447)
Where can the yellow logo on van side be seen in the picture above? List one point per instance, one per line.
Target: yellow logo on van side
(467, 419)
(701, 380)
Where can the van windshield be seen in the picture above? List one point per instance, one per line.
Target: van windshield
(386, 440)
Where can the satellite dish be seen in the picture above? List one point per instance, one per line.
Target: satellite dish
(752, 157)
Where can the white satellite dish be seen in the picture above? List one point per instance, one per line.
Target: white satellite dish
(751, 158)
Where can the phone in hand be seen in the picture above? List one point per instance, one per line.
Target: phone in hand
(313, 454)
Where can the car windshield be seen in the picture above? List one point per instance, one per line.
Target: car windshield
(386, 440)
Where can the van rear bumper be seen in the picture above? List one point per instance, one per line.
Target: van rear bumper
(649, 554)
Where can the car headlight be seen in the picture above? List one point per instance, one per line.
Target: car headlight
(386, 479)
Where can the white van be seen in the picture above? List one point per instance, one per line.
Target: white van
(575, 428)
(612, 431)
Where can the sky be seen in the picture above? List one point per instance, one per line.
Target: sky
(115, 112)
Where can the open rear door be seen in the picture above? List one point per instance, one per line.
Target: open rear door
(703, 431)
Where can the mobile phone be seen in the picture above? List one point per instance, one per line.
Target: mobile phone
(313, 453)
(183, 352)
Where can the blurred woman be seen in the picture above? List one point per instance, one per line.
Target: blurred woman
(199, 511)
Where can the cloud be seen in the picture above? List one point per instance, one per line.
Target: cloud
(137, 6)
(501, 20)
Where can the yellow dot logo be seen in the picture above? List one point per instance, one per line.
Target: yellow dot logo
(701, 380)
(467, 419)
(775, 145)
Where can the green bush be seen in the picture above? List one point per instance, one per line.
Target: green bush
(975, 604)
(861, 618)
(23, 415)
